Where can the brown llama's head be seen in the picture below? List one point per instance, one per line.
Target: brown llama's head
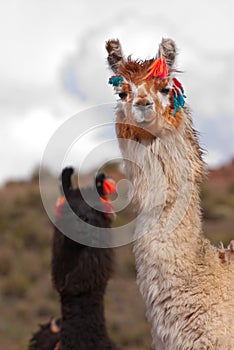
(151, 98)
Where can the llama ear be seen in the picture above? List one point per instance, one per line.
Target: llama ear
(66, 180)
(168, 49)
(115, 54)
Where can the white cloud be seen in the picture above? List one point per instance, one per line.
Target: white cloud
(24, 142)
(41, 41)
(85, 141)
(206, 68)
(214, 158)
(92, 151)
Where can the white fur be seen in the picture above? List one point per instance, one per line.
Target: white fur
(144, 113)
(188, 287)
(163, 99)
(188, 291)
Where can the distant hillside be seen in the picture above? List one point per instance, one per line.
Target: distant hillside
(26, 294)
(222, 178)
(218, 204)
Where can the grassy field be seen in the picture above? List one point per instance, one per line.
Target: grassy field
(26, 295)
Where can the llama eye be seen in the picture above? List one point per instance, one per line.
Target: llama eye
(122, 95)
(165, 91)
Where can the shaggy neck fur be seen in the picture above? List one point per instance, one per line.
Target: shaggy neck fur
(80, 274)
(82, 332)
(177, 268)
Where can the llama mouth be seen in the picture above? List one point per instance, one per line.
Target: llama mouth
(144, 123)
(143, 107)
(143, 115)
(144, 118)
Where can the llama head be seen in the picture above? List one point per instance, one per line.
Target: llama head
(94, 211)
(77, 268)
(151, 98)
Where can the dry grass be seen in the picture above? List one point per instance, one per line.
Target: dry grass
(26, 295)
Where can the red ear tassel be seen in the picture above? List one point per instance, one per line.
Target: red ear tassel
(59, 205)
(158, 69)
(109, 186)
(108, 206)
(178, 84)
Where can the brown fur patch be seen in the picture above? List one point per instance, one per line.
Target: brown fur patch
(134, 70)
(115, 55)
(176, 120)
(131, 132)
(225, 255)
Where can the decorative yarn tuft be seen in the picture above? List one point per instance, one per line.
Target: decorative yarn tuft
(158, 69)
(179, 97)
(60, 202)
(116, 80)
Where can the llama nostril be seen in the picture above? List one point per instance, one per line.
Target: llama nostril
(148, 103)
(142, 103)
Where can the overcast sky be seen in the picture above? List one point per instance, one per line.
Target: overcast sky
(53, 65)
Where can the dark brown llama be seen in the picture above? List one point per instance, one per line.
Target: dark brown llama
(80, 273)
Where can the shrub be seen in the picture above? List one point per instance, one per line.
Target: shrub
(16, 286)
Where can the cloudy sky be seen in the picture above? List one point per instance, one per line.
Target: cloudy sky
(53, 66)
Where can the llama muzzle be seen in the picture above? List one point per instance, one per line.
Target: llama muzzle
(143, 114)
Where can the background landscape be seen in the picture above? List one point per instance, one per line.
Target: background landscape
(26, 295)
(53, 66)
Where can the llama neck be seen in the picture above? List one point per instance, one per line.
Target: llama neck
(166, 175)
(83, 322)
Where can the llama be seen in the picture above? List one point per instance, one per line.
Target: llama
(47, 337)
(186, 283)
(80, 273)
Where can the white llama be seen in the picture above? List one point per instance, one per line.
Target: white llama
(186, 283)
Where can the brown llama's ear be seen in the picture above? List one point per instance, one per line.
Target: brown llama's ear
(168, 49)
(66, 181)
(115, 55)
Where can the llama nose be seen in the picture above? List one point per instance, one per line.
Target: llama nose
(142, 103)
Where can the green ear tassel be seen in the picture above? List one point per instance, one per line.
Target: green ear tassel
(116, 80)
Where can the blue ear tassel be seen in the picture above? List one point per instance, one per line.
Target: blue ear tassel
(179, 101)
(179, 96)
(116, 80)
